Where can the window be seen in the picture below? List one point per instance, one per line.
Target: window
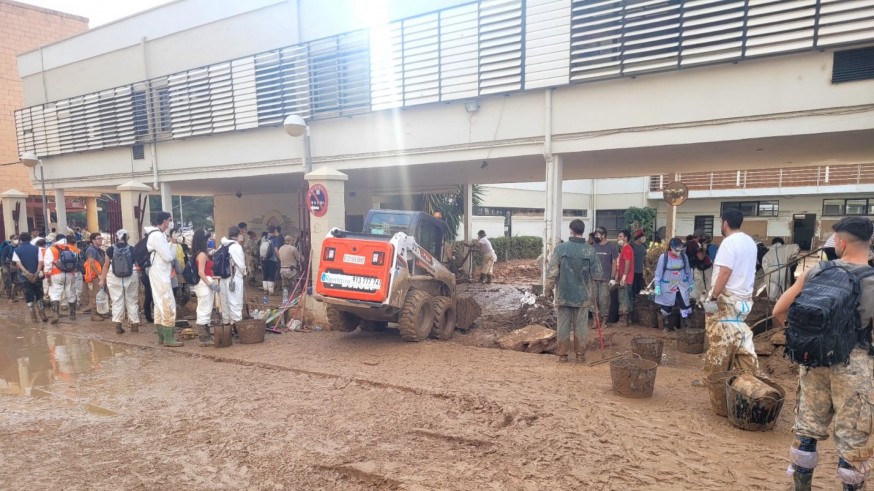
(853, 206)
(704, 223)
(833, 207)
(753, 208)
(612, 220)
(852, 65)
(141, 115)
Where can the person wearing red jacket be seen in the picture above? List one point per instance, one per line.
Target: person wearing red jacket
(625, 276)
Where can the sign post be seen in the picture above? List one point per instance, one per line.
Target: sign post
(317, 199)
(675, 193)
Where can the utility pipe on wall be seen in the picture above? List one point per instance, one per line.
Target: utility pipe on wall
(153, 122)
(550, 178)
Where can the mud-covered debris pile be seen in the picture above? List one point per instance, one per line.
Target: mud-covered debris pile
(517, 271)
(530, 339)
(540, 312)
(770, 348)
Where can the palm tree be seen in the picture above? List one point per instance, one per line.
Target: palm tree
(450, 205)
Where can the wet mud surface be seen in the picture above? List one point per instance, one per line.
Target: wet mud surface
(84, 409)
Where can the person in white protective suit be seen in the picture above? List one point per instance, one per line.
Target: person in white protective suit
(777, 274)
(205, 288)
(161, 259)
(123, 290)
(62, 284)
(231, 289)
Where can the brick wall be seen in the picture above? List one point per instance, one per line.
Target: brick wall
(23, 28)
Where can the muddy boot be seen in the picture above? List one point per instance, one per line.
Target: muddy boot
(160, 335)
(660, 319)
(134, 328)
(72, 310)
(95, 317)
(32, 309)
(234, 333)
(56, 312)
(488, 279)
(562, 359)
(684, 322)
(803, 479)
(169, 338)
(482, 278)
(205, 338)
(118, 328)
(579, 350)
(41, 308)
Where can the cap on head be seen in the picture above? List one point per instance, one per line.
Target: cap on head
(120, 234)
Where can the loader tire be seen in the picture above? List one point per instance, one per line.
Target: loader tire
(373, 326)
(342, 321)
(444, 318)
(417, 316)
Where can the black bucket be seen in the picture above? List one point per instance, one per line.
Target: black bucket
(751, 414)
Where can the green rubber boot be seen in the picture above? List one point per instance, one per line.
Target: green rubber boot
(169, 337)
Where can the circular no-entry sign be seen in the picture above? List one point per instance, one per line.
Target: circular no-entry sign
(318, 200)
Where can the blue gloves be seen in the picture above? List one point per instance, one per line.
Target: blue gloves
(658, 289)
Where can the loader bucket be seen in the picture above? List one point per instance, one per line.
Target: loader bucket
(467, 312)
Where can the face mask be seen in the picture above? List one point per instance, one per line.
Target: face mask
(171, 225)
(241, 238)
(620, 242)
(597, 240)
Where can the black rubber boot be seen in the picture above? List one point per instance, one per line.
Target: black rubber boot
(56, 312)
(118, 328)
(41, 308)
(72, 310)
(803, 478)
(488, 279)
(205, 337)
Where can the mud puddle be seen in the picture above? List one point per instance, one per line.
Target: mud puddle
(33, 359)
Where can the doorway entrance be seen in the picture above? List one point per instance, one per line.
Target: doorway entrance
(803, 228)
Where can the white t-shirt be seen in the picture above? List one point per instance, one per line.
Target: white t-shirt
(485, 246)
(738, 252)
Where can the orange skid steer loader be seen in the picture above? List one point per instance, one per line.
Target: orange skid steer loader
(391, 273)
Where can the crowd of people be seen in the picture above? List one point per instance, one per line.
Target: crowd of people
(59, 272)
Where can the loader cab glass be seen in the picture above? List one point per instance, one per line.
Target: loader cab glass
(388, 224)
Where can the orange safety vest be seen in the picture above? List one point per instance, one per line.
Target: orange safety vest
(56, 254)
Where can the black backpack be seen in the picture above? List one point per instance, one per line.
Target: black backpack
(823, 324)
(221, 262)
(190, 273)
(122, 261)
(141, 255)
(67, 260)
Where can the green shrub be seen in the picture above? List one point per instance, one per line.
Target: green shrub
(508, 248)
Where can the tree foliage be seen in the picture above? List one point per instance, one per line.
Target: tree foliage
(450, 205)
(641, 219)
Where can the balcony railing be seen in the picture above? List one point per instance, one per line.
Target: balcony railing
(484, 47)
(825, 175)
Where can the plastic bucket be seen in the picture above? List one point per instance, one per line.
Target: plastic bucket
(716, 386)
(251, 331)
(648, 348)
(633, 376)
(751, 414)
(690, 341)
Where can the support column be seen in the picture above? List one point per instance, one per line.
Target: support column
(61, 211)
(557, 202)
(14, 200)
(671, 226)
(91, 222)
(132, 194)
(167, 198)
(335, 183)
(468, 227)
(554, 207)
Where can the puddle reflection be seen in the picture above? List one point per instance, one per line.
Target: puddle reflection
(32, 357)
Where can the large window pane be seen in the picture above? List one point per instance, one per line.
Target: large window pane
(833, 207)
(769, 208)
(857, 206)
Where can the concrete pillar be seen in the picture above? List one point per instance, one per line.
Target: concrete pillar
(554, 206)
(61, 211)
(132, 194)
(468, 212)
(167, 198)
(10, 199)
(335, 183)
(91, 222)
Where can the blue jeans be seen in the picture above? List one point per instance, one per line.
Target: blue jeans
(574, 319)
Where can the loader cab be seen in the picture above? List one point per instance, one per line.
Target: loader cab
(429, 232)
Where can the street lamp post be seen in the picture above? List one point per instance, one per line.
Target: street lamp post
(31, 160)
(296, 126)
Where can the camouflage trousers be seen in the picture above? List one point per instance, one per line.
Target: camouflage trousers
(731, 340)
(600, 297)
(576, 320)
(845, 394)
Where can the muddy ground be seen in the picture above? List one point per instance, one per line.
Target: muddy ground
(365, 410)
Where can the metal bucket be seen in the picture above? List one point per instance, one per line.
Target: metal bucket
(751, 414)
(648, 348)
(690, 341)
(251, 331)
(716, 386)
(633, 376)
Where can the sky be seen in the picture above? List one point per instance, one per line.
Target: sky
(99, 12)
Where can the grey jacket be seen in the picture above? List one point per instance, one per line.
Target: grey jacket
(571, 266)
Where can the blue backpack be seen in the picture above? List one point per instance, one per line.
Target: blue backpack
(221, 262)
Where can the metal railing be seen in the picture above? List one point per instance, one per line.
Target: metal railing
(824, 175)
